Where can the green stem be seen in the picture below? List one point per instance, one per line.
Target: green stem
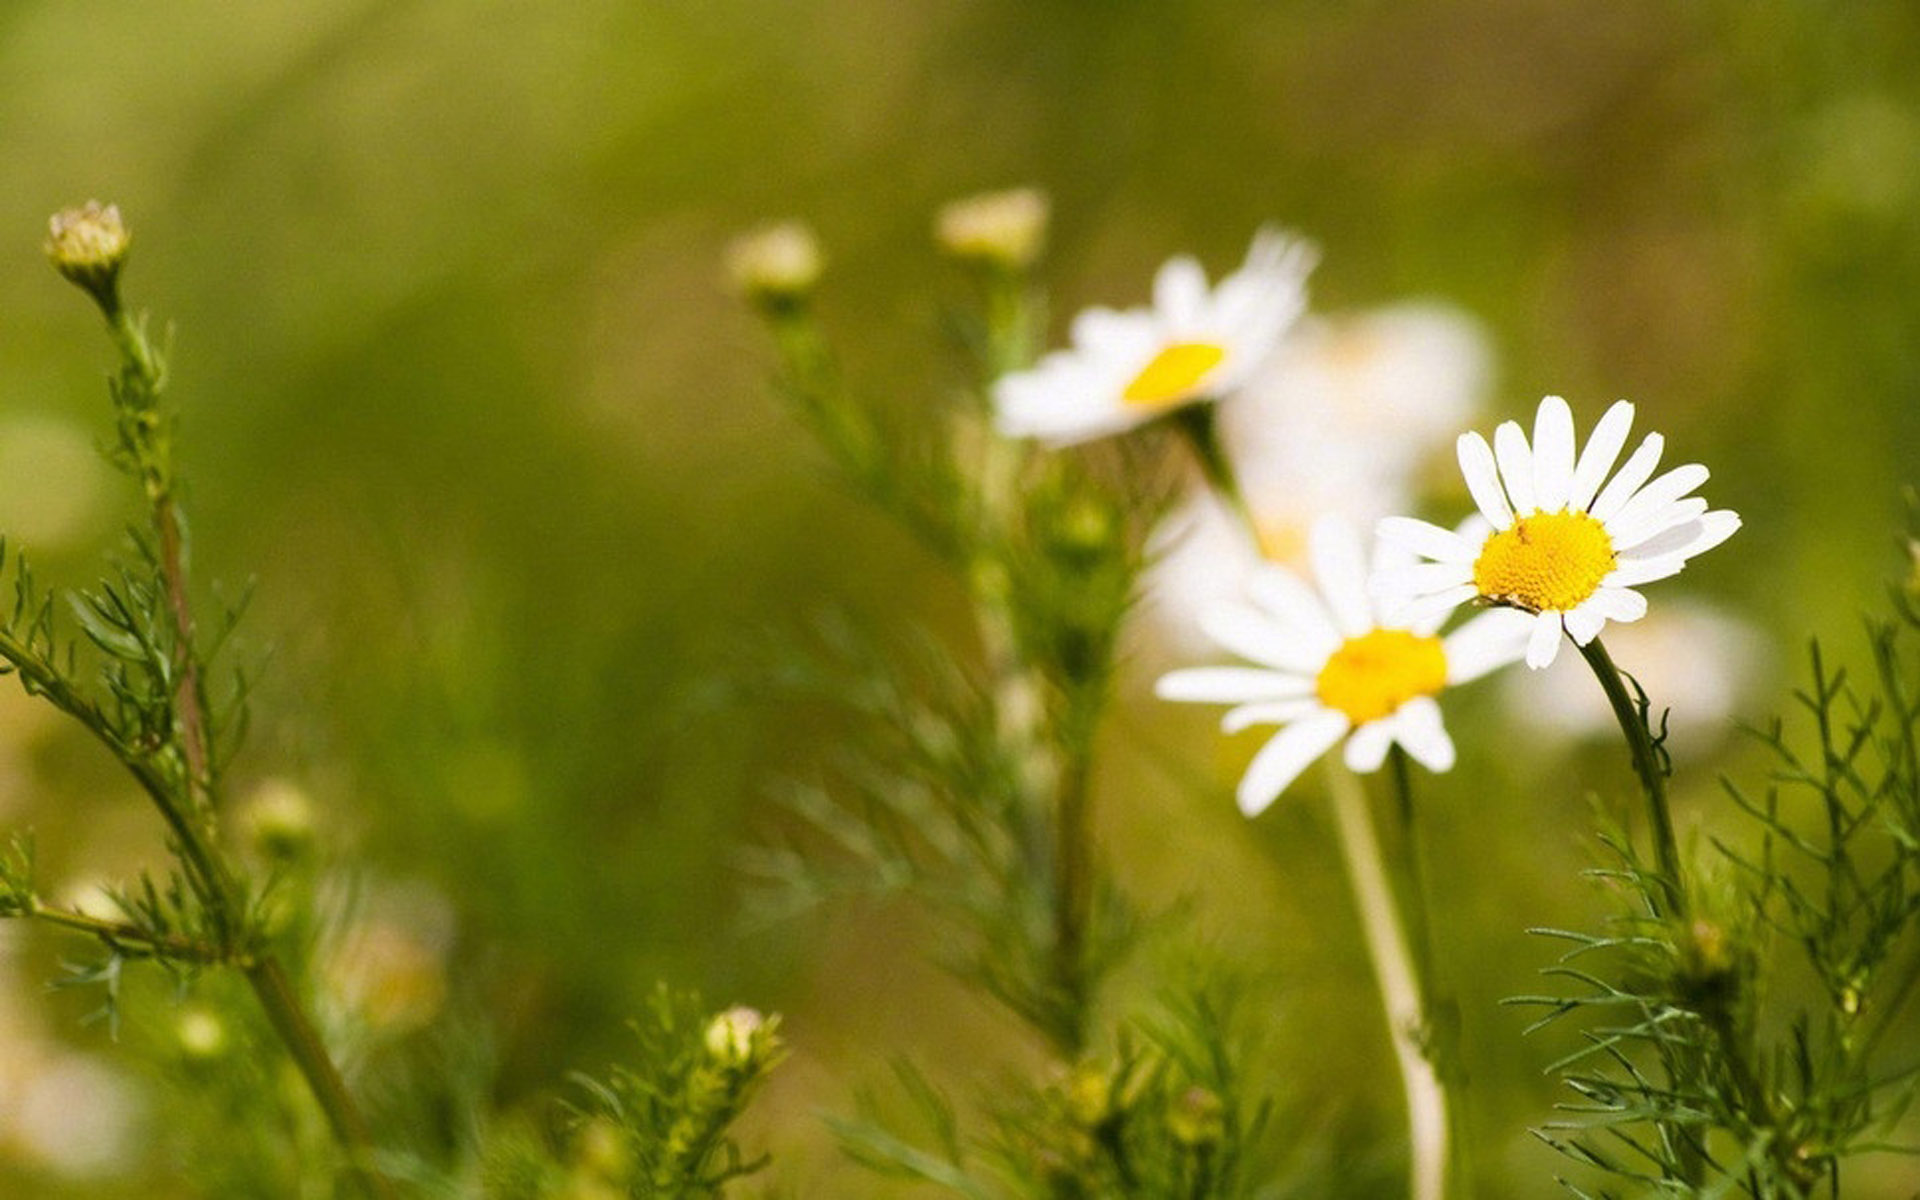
(1398, 981)
(1648, 766)
(1199, 424)
(1073, 895)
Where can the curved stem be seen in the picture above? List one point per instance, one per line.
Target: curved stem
(1399, 983)
(1647, 764)
(1199, 424)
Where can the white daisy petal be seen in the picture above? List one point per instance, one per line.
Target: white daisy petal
(1367, 747)
(1552, 454)
(1584, 624)
(1281, 760)
(1638, 469)
(1429, 540)
(1179, 291)
(1288, 598)
(1250, 634)
(1483, 480)
(1487, 642)
(1516, 465)
(1543, 643)
(1657, 496)
(1664, 527)
(1421, 579)
(1603, 450)
(1230, 685)
(1617, 603)
(1268, 712)
(1340, 567)
(1418, 608)
(1420, 730)
(1635, 571)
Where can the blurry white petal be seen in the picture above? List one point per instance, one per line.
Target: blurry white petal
(1248, 633)
(1368, 745)
(1281, 760)
(1418, 728)
(1340, 567)
(1270, 712)
(1287, 597)
(1229, 685)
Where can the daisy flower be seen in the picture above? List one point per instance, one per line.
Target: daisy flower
(1194, 343)
(1561, 546)
(1333, 664)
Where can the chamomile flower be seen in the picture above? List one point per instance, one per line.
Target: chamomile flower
(1333, 665)
(1562, 547)
(1194, 343)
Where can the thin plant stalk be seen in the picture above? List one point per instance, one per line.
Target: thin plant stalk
(1400, 990)
(194, 829)
(1648, 766)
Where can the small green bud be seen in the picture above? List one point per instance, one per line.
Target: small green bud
(278, 820)
(87, 245)
(776, 266)
(201, 1033)
(1004, 229)
(1197, 1118)
(741, 1039)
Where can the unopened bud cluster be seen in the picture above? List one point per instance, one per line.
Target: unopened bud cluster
(741, 1039)
(87, 245)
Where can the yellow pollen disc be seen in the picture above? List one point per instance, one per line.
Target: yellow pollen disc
(1547, 562)
(1175, 374)
(1370, 676)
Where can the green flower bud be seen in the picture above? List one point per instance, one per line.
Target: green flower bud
(741, 1039)
(278, 820)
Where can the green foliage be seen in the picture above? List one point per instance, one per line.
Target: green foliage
(1739, 1046)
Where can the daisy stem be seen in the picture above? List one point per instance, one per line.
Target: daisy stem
(1197, 422)
(1648, 766)
(1399, 983)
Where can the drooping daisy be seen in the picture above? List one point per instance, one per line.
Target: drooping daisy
(1193, 344)
(1561, 546)
(1333, 664)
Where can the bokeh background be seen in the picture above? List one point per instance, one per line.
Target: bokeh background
(465, 392)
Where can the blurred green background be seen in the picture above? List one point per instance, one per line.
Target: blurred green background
(463, 388)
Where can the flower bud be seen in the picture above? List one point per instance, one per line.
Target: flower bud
(202, 1034)
(1000, 228)
(740, 1038)
(88, 244)
(1089, 1095)
(278, 820)
(775, 265)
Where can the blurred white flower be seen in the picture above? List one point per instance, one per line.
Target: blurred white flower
(74, 1115)
(1334, 665)
(1696, 661)
(1394, 384)
(995, 227)
(1194, 344)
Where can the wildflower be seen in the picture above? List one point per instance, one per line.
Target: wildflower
(87, 245)
(278, 820)
(775, 264)
(1561, 546)
(1194, 344)
(740, 1038)
(1335, 665)
(999, 228)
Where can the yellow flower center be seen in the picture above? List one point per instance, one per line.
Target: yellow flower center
(1547, 562)
(1281, 541)
(1370, 676)
(1175, 374)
